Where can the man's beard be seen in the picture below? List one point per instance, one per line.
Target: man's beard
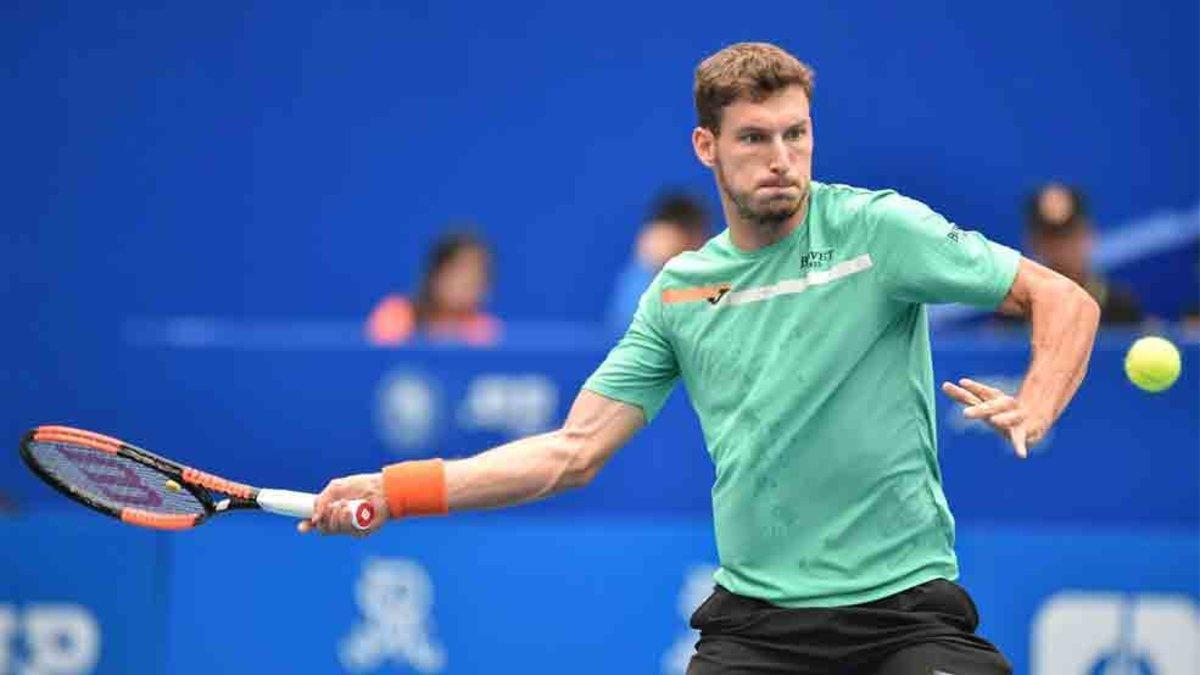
(768, 217)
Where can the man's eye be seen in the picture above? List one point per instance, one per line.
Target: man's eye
(795, 133)
(752, 138)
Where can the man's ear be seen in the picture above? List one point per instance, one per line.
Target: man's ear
(704, 142)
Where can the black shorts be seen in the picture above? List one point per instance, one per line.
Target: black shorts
(928, 630)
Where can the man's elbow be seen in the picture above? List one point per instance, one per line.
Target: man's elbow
(1087, 307)
(1063, 297)
(579, 462)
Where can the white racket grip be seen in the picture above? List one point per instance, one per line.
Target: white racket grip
(300, 505)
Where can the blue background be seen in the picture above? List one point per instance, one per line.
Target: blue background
(294, 159)
(511, 594)
(271, 169)
(290, 417)
(589, 580)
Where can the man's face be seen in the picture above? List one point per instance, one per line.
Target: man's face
(762, 157)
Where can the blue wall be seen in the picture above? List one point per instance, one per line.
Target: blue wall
(292, 416)
(502, 594)
(262, 161)
(282, 159)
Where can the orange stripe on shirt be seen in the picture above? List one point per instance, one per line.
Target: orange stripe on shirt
(675, 295)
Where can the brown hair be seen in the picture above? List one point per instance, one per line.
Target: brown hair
(681, 210)
(747, 70)
(1039, 222)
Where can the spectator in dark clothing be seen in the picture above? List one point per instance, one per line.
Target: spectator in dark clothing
(1191, 313)
(1060, 236)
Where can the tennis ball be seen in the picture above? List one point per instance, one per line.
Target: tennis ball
(173, 486)
(1152, 363)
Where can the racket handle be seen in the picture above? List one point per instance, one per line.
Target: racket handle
(300, 505)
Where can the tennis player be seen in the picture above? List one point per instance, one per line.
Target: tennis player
(801, 335)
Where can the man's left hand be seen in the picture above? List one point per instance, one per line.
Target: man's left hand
(1008, 415)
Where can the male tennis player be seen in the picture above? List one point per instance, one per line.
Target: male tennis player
(801, 334)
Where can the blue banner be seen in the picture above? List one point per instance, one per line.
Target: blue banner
(80, 593)
(296, 417)
(499, 593)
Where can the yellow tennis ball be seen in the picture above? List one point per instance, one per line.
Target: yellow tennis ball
(1152, 363)
(173, 486)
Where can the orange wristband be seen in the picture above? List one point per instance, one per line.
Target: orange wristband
(415, 488)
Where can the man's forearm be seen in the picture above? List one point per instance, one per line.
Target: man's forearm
(1064, 320)
(521, 471)
(542, 465)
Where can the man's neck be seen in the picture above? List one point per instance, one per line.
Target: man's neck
(750, 236)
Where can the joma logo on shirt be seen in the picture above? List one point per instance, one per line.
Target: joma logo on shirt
(815, 259)
(712, 294)
(717, 295)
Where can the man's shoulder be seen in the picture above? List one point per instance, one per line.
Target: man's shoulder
(848, 208)
(843, 191)
(839, 199)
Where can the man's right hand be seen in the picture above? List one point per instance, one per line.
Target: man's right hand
(333, 514)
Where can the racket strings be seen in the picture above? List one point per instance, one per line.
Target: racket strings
(112, 480)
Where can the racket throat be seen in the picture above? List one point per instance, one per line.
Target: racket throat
(235, 504)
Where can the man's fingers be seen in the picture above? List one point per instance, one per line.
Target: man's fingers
(980, 389)
(992, 407)
(304, 526)
(337, 490)
(330, 523)
(334, 489)
(333, 511)
(1008, 419)
(321, 505)
(338, 519)
(1034, 437)
(1017, 436)
(1003, 412)
(959, 394)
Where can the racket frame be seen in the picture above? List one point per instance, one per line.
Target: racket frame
(199, 484)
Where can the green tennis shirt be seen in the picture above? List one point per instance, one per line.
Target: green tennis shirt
(808, 364)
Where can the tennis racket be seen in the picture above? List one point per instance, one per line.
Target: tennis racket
(141, 488)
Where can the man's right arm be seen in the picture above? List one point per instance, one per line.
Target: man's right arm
(640, 371)
(525, 470)
(539, 466)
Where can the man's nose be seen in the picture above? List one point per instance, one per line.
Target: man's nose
(779, 156)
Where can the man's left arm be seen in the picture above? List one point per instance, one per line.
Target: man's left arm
(920, 257)
(1064, 319)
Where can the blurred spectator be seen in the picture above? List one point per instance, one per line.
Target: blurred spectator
(450, 298)
(1191, 313)
(1191, 320)
(677, 222)
(1060, 237)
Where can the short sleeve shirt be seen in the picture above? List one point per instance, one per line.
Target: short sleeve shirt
(808, 363)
